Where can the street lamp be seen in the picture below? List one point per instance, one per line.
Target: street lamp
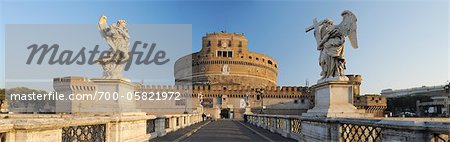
(446, 87)
(447, 90)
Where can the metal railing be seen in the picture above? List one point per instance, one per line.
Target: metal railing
(363, 133)
(151, 126)
(86, 133)
(440, 137)
(296, 125)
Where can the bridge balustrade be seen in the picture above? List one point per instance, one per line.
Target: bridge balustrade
(70, 128)
(353, 129)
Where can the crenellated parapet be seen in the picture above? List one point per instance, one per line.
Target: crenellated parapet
(73, 83)
(237, 91)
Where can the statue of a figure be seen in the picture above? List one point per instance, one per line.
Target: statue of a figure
(117, 38)
(247, 100)
(330, 40)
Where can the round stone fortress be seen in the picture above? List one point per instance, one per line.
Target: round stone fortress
(225, 60)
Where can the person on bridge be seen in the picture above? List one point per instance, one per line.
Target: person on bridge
(203, 116)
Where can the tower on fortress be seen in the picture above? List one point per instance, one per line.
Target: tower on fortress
(226, 60)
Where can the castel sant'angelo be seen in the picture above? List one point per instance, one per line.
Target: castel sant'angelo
(225, 79)
(226, 60)
(226, 73)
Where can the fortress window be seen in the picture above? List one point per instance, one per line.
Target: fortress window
(229, 43)
(209, 43)
(302, 101)
(224, 53)
(270, 62)
(250, 57)
(242, 56)
(219, 43)
(240, 44)
(276, 66)
(295, 101)
(257, 58)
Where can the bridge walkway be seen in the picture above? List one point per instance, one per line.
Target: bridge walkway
(223, 130)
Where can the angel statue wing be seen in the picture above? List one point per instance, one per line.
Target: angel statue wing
(106, 32)
(348, 27)
(123, 30)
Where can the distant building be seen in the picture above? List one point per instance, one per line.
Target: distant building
(372, 103)
(73, 85)
(438, 107)
(420, 101)
(437, 90)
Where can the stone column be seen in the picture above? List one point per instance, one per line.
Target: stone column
(160, 126)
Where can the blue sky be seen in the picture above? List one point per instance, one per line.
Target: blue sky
(402, 44)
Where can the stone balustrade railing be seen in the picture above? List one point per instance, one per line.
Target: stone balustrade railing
(353, 129)
(109, 128)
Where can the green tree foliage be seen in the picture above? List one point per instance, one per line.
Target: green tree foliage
(24, 90)
(37, 105)
(2, 96)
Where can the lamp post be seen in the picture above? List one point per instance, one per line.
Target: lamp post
(447, 90)
(447, 87)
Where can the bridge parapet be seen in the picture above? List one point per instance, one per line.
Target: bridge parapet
(106, 128)
(353, 129)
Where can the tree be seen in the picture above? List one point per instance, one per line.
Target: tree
(2, 96)
(37, 105)
(2, 93)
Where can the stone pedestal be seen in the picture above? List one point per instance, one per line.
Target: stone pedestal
(119, 91)
(332, 99)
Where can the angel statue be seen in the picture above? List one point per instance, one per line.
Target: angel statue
(330, 40)
(117, 38)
